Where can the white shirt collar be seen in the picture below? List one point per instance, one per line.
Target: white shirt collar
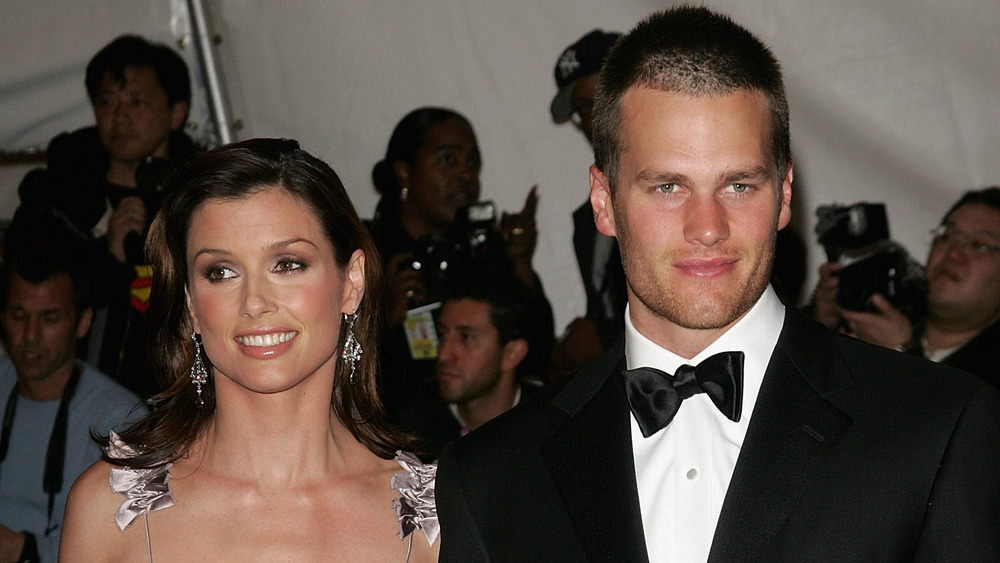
(454, 407)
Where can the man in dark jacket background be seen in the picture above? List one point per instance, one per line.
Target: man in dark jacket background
(102, 186)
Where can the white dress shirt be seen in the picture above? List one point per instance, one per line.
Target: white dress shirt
(683, 471)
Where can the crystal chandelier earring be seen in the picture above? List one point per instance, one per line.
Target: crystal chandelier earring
(199, 375)
(352, 348)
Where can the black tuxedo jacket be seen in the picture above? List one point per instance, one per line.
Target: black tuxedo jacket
(980, 356)
(853, 453)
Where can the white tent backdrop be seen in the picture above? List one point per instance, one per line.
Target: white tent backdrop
(894, 100)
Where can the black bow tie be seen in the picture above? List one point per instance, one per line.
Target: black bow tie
(655, 396)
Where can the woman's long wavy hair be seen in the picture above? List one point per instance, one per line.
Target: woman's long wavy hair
(235, 172)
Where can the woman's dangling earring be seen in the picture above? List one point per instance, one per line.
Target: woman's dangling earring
(352, 348)
(403, 193)
(199, 375)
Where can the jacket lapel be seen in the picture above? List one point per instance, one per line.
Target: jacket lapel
(590, 461)
(793, 428)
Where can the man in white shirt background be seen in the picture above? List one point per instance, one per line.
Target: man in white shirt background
(51, 400)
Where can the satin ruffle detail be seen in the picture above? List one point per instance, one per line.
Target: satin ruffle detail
(415, 508)
(145, 490)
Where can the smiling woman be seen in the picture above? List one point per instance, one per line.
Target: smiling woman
(265, 303)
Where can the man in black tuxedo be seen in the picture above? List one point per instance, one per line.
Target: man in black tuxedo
(791, 443)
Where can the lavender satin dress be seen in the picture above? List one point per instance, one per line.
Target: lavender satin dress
(147, 490)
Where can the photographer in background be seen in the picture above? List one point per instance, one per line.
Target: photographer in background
(961, 324)
(50, 402)
(429, 186)
(100, 186)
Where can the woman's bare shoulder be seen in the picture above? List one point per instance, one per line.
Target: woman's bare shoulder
(92, 493)
(89, 529)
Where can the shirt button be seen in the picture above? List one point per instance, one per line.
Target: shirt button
(692, 474)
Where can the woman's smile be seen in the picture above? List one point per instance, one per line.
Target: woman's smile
(269, 339)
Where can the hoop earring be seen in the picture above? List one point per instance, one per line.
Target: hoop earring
(199, 375)
(352, 348)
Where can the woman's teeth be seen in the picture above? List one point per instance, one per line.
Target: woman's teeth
(272, 339)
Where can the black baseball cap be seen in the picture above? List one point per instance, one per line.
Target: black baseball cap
(580, 59)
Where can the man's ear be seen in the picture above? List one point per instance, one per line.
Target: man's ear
(354, 282)
(513, 353)
(83, 325)
(785, 211)
(402, 172)
(178, 115)
(600, 201)
(190, 308)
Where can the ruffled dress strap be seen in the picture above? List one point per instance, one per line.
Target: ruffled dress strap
(145, 490)
(415, 507)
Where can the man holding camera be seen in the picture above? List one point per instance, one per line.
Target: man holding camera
(100, 189)
(961, 326)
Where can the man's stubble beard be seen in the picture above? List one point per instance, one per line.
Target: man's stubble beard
(717, 312)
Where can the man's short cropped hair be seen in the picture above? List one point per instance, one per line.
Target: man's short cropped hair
(504, 294)
(44, 261)
(693, 51)
(989, 197)
(131, 50)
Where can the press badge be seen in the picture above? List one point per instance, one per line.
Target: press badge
(421, 334)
